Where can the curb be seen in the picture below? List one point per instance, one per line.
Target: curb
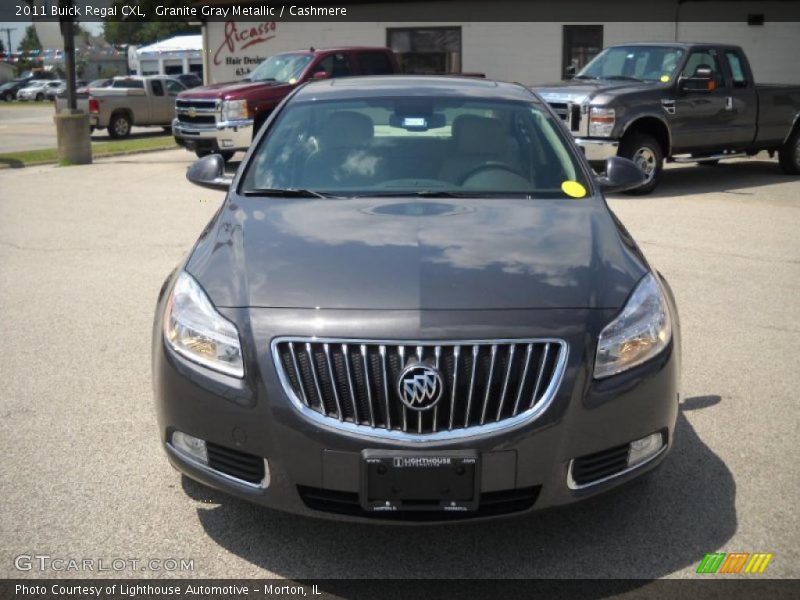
(101, 155)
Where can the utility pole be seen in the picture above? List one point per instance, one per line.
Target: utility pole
(72, 125)
(8, 31)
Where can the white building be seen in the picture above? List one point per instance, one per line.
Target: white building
(179, 54)
(528, 52)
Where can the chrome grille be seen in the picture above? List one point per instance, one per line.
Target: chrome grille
(197, 112)
(487, 385)
(569, 113)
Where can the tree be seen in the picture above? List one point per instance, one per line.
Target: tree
(120, 31)
(30, 41)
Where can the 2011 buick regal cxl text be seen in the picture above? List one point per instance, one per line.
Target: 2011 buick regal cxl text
(415, 304)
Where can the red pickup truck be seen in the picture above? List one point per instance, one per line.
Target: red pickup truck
(224, 117)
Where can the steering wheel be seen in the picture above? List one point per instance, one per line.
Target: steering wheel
(490, 166)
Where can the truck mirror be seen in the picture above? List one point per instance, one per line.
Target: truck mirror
(621, 174)
(320, 75)
(209, 172)
(702, 81)
(570, 72)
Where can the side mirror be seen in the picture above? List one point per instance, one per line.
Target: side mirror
(209, 172)
(621, 174)
(320, 75)
(570, 72)
(701, 81)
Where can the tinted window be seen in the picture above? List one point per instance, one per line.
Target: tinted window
(405, 145)
(737, 70)
(335, 65)
(128, 83)
(158, 89)
(173, 87)
(375, 63)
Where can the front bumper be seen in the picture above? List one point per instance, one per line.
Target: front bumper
(596, 149)
(227, 136)
(255, 416)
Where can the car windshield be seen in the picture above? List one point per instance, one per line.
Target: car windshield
(637, 63)
(285, 68)
(449, 146)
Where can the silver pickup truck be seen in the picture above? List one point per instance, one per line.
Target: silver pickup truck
(129, 101)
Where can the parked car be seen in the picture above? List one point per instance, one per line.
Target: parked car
(8, 90)
(95, 83)
(223, 117)
(130, 101)
(190, 80)
(35, 90)
(415, 303)
(678, 102)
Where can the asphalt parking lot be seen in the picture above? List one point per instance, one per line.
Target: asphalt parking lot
(84, 250)
(29, 126)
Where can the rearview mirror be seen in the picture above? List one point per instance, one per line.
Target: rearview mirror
(621, 174)
(209, 172)
(701, 81)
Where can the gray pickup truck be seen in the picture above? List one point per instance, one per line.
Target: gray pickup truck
(656, 102)
(129, 101)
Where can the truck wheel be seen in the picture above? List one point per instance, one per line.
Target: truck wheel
(39, 97)
(646, 153)
(119, 127)
(8, 97)
(789, 154)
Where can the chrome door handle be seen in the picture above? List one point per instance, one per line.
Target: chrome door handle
(729, 103)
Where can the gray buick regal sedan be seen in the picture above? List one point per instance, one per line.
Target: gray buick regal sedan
(414, 304)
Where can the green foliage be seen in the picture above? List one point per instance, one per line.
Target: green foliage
(30, 41)
(130, 31)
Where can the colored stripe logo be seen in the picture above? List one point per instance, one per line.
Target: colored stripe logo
(734, 562)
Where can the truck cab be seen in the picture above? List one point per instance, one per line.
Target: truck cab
(223, 118)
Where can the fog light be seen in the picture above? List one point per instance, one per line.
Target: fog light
(645, 448)
(191, 446)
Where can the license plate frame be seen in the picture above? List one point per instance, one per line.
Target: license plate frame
(407, 480)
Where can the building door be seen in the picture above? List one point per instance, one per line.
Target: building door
(581, 44)
(426, 50)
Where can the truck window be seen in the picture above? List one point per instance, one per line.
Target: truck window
(375, 63)
(737, 70)
(173, 87)
(704, 58)
(158, 89)
(335, 65)
(128, 83)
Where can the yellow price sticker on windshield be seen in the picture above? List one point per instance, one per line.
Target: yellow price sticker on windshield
(573, 189)
(665, 79)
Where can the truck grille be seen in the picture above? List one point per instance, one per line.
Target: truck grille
(484, 386)
(569, 113)
(197, 112)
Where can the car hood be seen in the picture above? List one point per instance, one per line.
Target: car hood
(390, 253)
(231, 89)
(582, 90)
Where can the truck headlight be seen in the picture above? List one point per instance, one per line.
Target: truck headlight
(637, 334)
(194, 329)
(601, 121)
(235, 110)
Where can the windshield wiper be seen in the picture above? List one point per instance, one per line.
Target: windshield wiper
(286, 193)
(622, 78)
(585, 77)
(418, 194)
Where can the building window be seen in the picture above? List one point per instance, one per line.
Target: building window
(581, 44)
(426, 50)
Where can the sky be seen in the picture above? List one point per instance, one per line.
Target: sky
(95, 27)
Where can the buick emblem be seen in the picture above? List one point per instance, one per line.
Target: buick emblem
(419, 386)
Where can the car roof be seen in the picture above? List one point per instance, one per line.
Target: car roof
(685, 45)
(415, 85)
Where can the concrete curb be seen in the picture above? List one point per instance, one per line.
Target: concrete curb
(102, 155)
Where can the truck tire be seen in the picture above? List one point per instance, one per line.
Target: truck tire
(789, 154)
(646, 152)
(39, 97)
(119, 126)
(8, 97)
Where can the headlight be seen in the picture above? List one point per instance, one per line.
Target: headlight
(235, 110)
(601, 121)
(639, 332)
(194, 329)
